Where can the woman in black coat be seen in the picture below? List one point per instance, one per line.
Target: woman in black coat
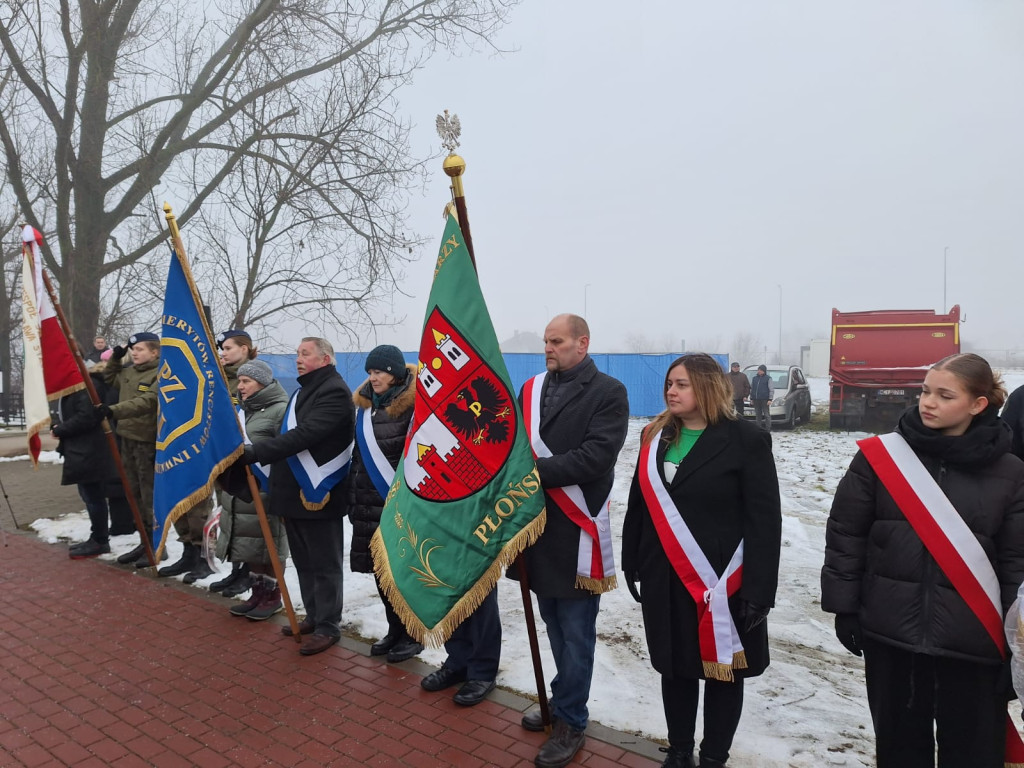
(88, 464)
(384, 404)
(931, 666)
(705, 484)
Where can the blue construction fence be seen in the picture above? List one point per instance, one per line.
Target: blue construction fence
(643, 375)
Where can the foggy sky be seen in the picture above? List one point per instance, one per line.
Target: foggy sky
(685, 159)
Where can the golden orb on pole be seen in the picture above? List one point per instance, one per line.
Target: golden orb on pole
(454, 165)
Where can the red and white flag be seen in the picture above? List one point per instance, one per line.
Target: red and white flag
(50, 368)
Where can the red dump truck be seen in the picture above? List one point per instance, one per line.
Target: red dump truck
(879, 359)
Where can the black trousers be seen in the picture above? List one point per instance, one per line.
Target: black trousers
(737, 404)
(317, 548)
(475, 645)
(918, 700)
(395, 626)
(723, 705)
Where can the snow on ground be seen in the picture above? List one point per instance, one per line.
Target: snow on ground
(808, 709)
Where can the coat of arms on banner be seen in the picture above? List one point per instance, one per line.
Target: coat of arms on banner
(464, 425)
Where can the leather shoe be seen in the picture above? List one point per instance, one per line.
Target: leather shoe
(385, 644)
(306, 627)
(532, 721)
(404, 650)
(473, 692)
(445, 677)
(317, 643)
(561, 747)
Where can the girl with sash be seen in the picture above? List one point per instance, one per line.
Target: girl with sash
(241, 538)
(700, 552)
(924, 551)
(384, 406)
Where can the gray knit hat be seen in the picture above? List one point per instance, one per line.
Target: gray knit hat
(258, 371)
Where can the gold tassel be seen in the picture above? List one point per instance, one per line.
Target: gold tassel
(66, 391)
(313, 506)
(714, 670)
(596, 586)
(1013, 765)
(435, 637)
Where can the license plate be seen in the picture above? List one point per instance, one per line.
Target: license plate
(892, 392)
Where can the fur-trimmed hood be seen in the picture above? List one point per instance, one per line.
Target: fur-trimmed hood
(363, 396)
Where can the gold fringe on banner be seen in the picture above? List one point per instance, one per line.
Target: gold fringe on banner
(195, 497)
(436, 636)
(66, 391)
(314, 506)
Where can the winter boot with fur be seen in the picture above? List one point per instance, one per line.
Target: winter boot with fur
(243, 608)
(269, 604)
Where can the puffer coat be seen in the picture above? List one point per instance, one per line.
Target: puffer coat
(241, 538)
(877, 567)
(390, 425)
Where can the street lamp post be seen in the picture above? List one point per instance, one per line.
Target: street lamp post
(585, 287)
(780, 322)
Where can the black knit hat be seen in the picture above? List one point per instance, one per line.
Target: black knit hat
(242, 336)
(763, 368)
(256, 370)
(387, 358)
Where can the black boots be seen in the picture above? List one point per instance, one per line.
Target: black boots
(677, 758)
(189, 560)
(239, 572)
(404, 650)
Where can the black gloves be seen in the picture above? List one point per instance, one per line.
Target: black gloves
(102, 412)
(632, 580)
(118, 352)
(752, 614)
(849, 633)
(248, 456)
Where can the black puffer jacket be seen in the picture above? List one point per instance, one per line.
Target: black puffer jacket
(390, 425)
(877, 567)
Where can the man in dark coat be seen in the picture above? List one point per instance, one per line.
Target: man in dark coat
(322, 433)
(87, 463)
(740, 388)
(584, 415)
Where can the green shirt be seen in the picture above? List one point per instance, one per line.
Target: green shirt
(677, 450)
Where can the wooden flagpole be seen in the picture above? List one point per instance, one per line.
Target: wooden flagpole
(449, 128)
(172, 226)
(111, 439)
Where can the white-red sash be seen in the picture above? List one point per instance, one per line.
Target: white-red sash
(948, 539)
(595, 558)
(720, 648)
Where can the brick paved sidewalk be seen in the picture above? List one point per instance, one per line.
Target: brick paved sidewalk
(100, 666)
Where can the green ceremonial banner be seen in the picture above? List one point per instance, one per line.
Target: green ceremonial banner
(466, 498)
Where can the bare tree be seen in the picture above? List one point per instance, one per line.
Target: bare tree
(112, 99)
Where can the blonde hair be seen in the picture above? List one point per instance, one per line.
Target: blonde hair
(976, 375)
(711, 390)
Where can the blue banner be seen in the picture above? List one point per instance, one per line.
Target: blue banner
(198, 435)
